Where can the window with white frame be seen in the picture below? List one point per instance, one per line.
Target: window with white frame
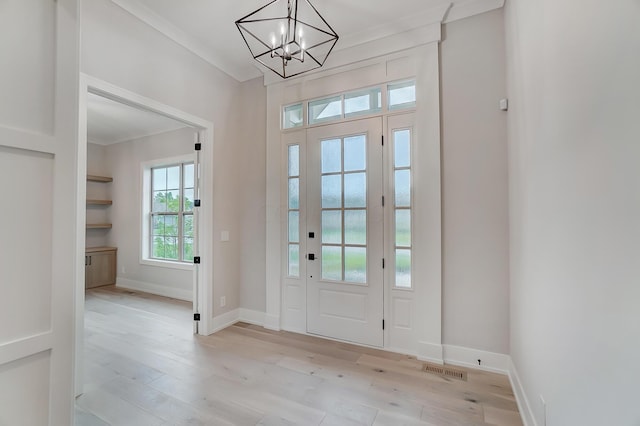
(400, 95)
(171, 212)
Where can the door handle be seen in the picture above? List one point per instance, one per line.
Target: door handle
(311, 256)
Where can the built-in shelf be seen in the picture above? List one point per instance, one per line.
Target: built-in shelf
(99, 202)
(94, 202)
(99, 249)
(99, 226)
(95, 178)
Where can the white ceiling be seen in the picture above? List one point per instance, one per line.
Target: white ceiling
(207, 27)
(110, 122)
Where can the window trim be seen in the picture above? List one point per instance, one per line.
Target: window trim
(145, 213)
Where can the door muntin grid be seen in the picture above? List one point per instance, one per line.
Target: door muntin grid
(344, 209)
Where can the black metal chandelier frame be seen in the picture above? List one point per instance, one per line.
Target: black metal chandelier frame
(290, 46)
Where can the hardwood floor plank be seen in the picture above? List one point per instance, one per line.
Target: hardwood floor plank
(144, 366)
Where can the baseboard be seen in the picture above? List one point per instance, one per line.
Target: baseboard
(252, 317)
(271, 322)
(160, 290)
(430, 352)
(467, 357)
(225, 320)
(521, 397)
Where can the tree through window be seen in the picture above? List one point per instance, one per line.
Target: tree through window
(172, 194)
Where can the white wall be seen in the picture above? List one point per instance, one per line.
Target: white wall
(574, 167)
(474, 185)
(251, 178)
(118, 48)
(124, 164)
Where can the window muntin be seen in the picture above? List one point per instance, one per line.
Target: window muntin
(293, 217)
(401, 95)
(171, 215)
(350, 104)
(402, 207)
(344, 209)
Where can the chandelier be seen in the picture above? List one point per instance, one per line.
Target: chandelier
(288, 41)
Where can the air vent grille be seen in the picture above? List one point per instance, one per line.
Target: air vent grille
(444, 371)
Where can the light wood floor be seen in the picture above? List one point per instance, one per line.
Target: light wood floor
(144, 367)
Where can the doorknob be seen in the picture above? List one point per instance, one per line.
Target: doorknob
(311, 256)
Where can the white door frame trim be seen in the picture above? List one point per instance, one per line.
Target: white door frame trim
(89, 84)
(422, 63)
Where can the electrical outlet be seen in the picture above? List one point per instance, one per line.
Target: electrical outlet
(223, 301)
(544, 411)
(122, 270)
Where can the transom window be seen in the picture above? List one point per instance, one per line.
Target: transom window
(171, 215)
(400, 95)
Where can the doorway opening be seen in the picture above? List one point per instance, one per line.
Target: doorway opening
(144, 169)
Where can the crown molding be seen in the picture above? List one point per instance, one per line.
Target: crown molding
(195, 46)
(465, 9)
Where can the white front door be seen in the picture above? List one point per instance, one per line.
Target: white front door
(39, 251)
(345, 231)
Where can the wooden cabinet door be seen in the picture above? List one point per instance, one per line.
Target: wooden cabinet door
(100, 269)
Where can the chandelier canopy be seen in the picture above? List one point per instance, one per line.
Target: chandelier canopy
(289, 37)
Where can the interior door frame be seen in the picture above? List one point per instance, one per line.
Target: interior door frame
(203, 273)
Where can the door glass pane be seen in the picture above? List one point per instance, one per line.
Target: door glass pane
(332, 263)
(294, 160)
(355, 227)
(402, 152)
(331, 191)
(355, 190)
(294, 193)
(355, 264)
(294, 233)
(403, 188)
(173, 177)
(403, 228)
(403, 268)
(294, 260)
(331, 156)
(355, 154)
(332, 227)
